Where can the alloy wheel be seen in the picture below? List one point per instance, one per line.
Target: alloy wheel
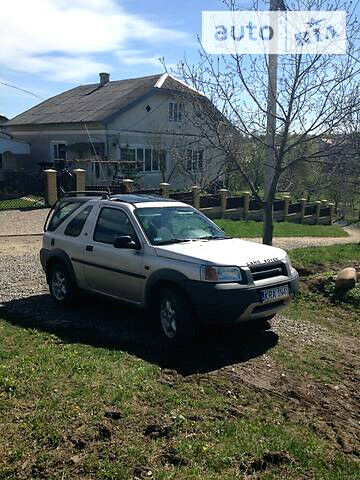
(59, 285)
(168, 318)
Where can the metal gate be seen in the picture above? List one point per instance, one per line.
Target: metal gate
(65, 182)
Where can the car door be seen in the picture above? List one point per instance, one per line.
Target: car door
(113, 271)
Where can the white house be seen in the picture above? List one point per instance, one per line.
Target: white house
(137, 127)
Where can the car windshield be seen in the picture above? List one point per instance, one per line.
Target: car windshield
(176, 224)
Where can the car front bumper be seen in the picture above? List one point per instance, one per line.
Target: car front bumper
(233, 302)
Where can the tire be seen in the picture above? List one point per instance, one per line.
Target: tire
(176, 317)
(61, 286)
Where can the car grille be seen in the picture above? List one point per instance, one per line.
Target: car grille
(260, 272)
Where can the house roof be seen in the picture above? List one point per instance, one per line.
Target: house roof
(95, 103)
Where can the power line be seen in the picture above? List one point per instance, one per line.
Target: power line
(21, 90)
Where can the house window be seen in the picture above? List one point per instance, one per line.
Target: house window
(143, 159)
(194, 160)
(176, 111)
(59, 150)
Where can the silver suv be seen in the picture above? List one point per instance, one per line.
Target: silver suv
(164, 256)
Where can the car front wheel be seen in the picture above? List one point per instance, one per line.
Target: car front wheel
(176, 317)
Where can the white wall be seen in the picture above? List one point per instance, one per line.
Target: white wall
(13, 146)
(139, 128)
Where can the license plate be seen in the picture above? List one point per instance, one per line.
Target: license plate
(274, 293)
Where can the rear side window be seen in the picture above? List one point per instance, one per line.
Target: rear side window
(62, 213)
(76, 225)
(112, 223)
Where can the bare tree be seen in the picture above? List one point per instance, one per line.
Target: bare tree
(314, 99)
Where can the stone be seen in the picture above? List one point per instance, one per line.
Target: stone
(346, 279)
(75, 459)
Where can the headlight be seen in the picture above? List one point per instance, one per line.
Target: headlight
(220, 274)
(288, 261)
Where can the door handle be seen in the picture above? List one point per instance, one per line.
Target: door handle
(89, 248)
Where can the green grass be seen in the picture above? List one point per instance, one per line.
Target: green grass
(339, 313)
(54, 396)
(17, 203)
(326, 257)
(252, 229)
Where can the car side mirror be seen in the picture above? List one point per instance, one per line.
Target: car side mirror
(125, 241)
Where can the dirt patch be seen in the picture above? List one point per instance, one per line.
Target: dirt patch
(157, 431)
(306, 399)
(171, 458)
(142, 472)
(113, 415)
(268, 460)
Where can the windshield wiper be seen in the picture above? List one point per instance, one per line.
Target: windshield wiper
(173, 240)
(211, 237)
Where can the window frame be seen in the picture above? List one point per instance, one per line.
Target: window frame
(77, 214)
(54, 143)
(195, 160)
(79, 204)
(177, 107)
(136, 238)
(143, 148)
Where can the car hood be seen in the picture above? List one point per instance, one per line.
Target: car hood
(232, 251)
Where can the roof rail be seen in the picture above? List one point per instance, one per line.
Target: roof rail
(88, 193)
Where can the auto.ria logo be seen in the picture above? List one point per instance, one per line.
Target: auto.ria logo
(259, 32)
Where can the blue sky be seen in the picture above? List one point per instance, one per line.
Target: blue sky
(49, 46)
(54, 45)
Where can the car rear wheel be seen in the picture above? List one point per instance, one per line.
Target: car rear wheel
(176, 317)
(61, 287)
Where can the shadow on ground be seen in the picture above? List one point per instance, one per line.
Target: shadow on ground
(103, 323)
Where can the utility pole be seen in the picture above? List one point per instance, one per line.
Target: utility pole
(269, 166)
(271, 118)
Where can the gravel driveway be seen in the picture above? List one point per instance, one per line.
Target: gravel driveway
(23, 222)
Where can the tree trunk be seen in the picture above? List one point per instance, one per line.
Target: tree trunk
(268, 225)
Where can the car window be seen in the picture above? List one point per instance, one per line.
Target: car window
(112, 223)
(63, 211)
(168, 224)
(76, 225)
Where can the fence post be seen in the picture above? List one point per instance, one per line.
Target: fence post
(79, 179)
(164, 189)
(128, 185)
(51, 187)
(196, 196)
(317, 214)
(286, 206)
(223, 200)
(332, 212)
(303, 206)
(339, 209)
(246, 196)
(324, 203)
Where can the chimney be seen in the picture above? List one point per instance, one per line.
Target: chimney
(104, 78)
